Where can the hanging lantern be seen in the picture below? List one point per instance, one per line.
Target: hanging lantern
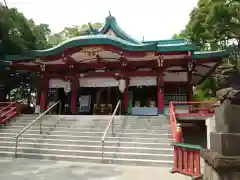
(122, 85)
(67, 87)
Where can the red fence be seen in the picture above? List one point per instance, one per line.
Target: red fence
(7, 111)
(202, 108)
(173, 120)
(187, 156)
(187, 160)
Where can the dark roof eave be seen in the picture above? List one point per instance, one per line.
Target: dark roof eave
(209, 72)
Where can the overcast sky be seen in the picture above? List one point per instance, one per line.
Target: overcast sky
(153, 19)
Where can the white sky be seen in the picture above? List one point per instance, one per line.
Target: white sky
(153, 19)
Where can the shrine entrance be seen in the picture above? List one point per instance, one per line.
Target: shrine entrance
(97, 100)
(90, 100)
(144, 100)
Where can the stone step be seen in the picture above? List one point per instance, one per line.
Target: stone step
(159, 121)
(83, 129)
(90, 153)
(137, 141)
(73, 147)
(98, 125)
(91, 133)
(111, 142)
(98, 122)
(95, 119)
(106, 160)
(95, 116)
(94, 138)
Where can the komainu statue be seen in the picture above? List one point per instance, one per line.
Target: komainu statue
(227, 80)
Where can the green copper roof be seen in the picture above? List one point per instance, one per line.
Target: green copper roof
(84, 41)
(174, 45)
(169, 41)
(122, 41)
(111, 23)
(210, 54)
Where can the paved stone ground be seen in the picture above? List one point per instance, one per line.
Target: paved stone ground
(29, 169)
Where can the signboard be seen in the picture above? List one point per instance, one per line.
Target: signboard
(84, 103)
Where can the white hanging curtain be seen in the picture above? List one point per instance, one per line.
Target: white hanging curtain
(98, 82)
(143, 81)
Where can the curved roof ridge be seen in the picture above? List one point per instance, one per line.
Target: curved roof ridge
(84, 41)
(170, 41)
(111, 23)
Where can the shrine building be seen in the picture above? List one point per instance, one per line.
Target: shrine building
(90, 73)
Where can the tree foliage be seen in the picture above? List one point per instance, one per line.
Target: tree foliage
(70, 32)
(15, 33)
(18, 35)
(213, 25)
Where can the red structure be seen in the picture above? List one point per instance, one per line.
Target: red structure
(7, 111)
(187, 160)
(187, 156)
(85, 72)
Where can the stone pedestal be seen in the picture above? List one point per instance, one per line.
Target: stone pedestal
(222, 161)
(227, 144)
(219, 167)
(227, 118)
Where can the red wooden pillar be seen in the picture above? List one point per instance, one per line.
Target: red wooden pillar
(190, 92)
(160, 93)
(44, 92)
(38, 96)
(190, 87)
(74, 87)
(125, 97)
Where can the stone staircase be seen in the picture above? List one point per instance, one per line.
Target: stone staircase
(137, 141)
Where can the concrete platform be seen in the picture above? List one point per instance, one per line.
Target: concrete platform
(28, 169)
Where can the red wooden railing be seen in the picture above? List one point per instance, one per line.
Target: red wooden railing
(187, 156)
(200, 108)
(173, 120)
(7, 111)
(187, 160)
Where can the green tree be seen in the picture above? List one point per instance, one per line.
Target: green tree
(56, 38)
(15, 34)
(213, 25)
(41, 33)
(182, 35)
(74, 31)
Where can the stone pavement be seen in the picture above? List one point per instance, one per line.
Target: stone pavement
(29, 169)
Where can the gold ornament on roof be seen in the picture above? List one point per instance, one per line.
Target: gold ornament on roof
(90, 51)
(43, 68)
(150, 54)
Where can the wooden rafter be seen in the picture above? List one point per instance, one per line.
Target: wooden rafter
(204, 65)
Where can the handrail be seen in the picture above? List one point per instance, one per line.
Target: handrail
(5, 113)
(9, 105)
(33, 122)
(192, 102)
(195, 108)
(173, 120)
(187, 160)
(111, 122)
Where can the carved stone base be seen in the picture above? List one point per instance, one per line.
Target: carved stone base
(225, 143)
(220, 174)
(227, 118)
(219, 167)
